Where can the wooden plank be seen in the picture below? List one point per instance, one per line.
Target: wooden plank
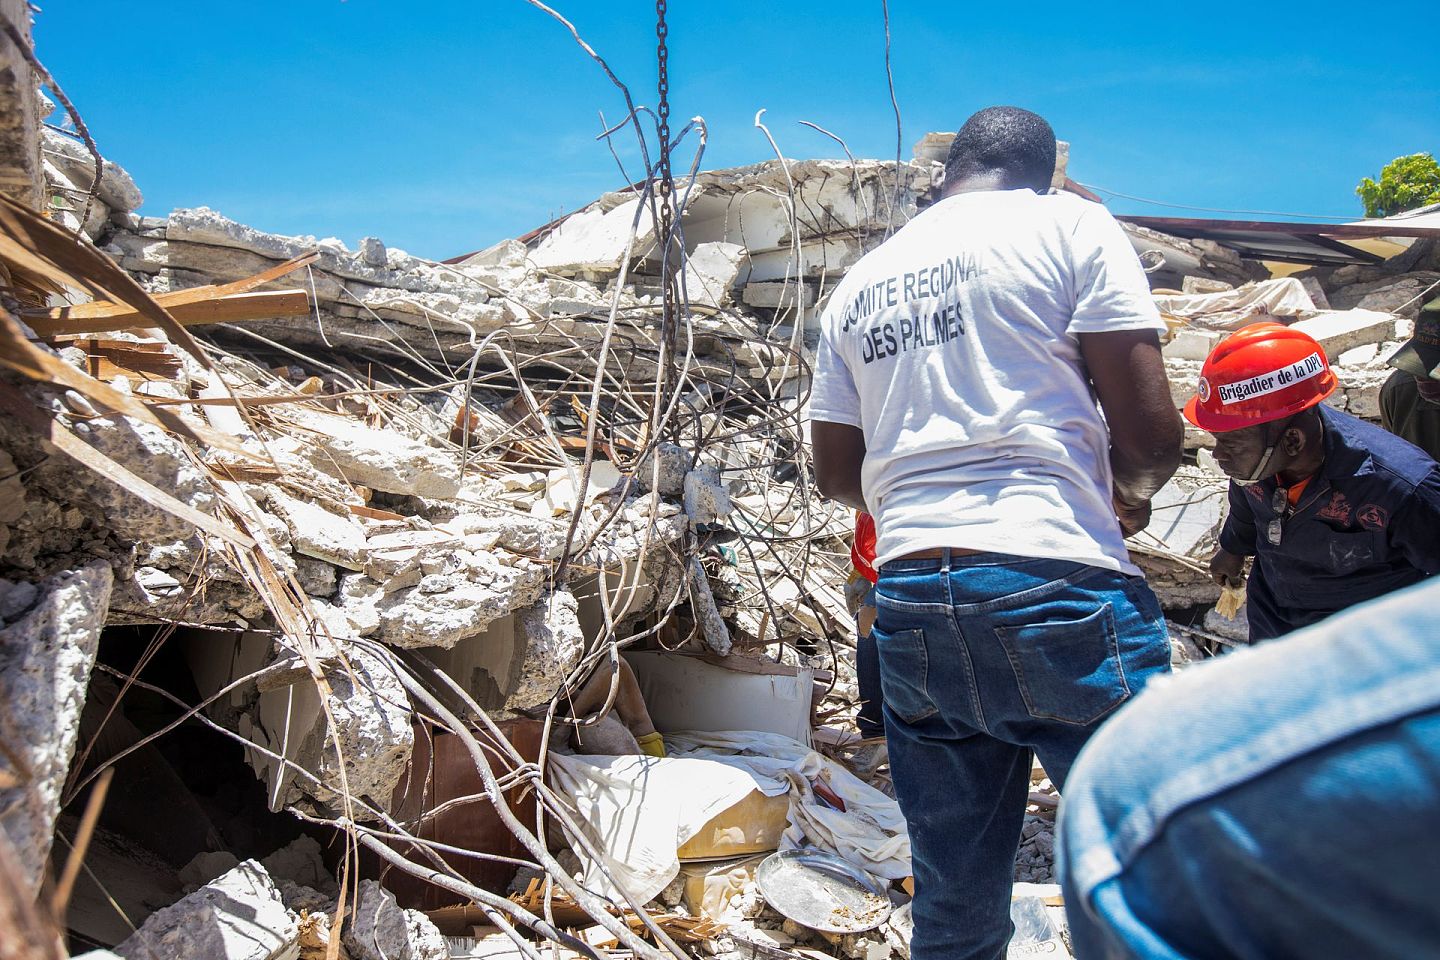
(373, 513)
(103, 309)
(26, 237)
(219, 309)
(108, 359)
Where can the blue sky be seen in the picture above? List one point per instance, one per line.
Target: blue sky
(442, 127)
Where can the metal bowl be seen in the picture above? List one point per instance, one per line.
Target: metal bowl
(822, 892)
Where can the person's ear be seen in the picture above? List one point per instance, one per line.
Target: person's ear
(1292, 442)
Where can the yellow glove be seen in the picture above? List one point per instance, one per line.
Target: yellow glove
(653, 744)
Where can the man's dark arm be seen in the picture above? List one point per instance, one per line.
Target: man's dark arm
(1146, 435)
(839, 452)
(1238, 532)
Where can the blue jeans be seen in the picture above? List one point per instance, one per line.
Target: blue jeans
(1280, 802)
(984, 660)
(869, 719)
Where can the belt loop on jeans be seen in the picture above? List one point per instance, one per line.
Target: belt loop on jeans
(945, 562)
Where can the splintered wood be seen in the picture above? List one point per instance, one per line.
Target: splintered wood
(568, 914)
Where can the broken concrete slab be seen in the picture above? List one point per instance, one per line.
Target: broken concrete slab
(1186, 512)
(379, 459)
(711, 272)
(1359, 356)
(47, 648)
(1191, 343)
(117, 188)
(151, 454)
(202, 225)
(779, 295)
(1236, 628)
(1347, 329)
(371, 728)
(594, 240)
(551, 643)
(381, 930)
(371, 732)
(1399, 295)
(319, 533)
(414, 617)
(238, 916)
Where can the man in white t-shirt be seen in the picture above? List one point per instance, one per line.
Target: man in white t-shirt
(955, 400)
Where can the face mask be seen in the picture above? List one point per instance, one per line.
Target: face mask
(1258, 473)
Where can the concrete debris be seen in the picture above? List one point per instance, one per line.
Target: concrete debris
(712, 271)
(551, 642)
(72, 159)
(238, 916)
(594, 240)
(206, 867)
(151, 454)
(1343, 331)
(1175, 259)
(713, 629)
(664, 469)
(362, 741)
(379, 459)
(49, 633)
(1401, 296)
(706, 498)
(1192, 344)
(460, 603)
(1235, 628)
(1186, 513)
(782, 296)
(318, 533)
(299, 862)
(381, 930)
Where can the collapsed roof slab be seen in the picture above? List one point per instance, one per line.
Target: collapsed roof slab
(1311, 243)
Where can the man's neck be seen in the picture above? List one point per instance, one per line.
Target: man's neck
(1290, 476)
(980, 182)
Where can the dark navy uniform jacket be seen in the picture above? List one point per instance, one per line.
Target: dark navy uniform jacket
(1367, 524)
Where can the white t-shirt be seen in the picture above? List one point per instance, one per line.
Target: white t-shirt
(954, 347)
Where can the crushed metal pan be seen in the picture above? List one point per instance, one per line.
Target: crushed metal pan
(822, 892)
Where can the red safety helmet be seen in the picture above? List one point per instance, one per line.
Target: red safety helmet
(1263, 372)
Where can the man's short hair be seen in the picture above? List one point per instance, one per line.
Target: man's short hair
(1016, 143)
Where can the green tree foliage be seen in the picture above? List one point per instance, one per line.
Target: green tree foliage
(1405, 183)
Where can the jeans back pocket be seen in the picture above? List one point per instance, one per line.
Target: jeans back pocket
(1067, 670)
(904, 673)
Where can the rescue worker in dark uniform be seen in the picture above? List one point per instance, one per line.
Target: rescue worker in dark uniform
(1336, 511)
(1410, 399)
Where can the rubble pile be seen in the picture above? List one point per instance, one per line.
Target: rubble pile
(443, 549)
(333, 491)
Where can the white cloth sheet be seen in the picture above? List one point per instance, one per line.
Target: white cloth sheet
(638, 811)
(1283, 299)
